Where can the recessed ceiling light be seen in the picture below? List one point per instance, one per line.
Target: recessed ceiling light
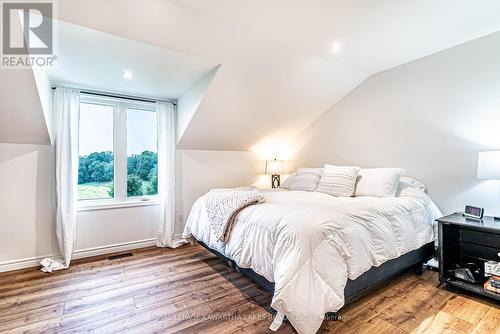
(129, 75)
(336, 47)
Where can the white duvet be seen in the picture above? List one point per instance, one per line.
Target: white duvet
(310, 243)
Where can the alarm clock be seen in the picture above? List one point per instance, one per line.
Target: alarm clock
(473, 212)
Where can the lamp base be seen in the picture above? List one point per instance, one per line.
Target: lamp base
(275, 181)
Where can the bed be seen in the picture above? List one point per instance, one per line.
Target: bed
(317, 252)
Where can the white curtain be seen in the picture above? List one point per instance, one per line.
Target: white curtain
(166, 175)
(66, 115)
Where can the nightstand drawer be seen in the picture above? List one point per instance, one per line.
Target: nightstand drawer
(480, 238)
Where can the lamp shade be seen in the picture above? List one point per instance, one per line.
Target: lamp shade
(275, 167)
(488, 165)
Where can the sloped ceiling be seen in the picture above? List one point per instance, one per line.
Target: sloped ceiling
(376, 35)
(88, 58)
(277, 74)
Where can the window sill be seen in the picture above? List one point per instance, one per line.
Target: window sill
(105, 205)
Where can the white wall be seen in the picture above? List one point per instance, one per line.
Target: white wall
(22, 118)
(105, 228)
(200, 171)
(431, 116)
(27, 205)
(26, 202)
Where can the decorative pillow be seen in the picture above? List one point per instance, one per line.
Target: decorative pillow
(306, 179)
(338, 181)
(288, 182)
(378, 182)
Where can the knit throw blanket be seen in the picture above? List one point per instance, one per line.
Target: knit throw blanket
(223, 205)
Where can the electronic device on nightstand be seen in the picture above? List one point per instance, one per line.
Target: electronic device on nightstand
(473, 212)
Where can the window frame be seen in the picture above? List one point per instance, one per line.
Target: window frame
(120, 199)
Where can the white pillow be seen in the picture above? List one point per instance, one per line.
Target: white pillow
(378, 182)
(306, 179)
(408, 181)
(338, 180)
(288, 182)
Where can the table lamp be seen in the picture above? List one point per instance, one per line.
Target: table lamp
(275, 168)
(488, 167)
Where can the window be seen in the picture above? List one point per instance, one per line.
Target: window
(96, 160)
(118, 152)
(142, 155)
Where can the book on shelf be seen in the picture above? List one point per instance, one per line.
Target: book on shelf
(489, 287)
(495, 281)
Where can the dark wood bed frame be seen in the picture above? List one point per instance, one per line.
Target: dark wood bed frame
(364, 284)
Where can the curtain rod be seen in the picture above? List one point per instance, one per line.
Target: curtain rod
(119, 96)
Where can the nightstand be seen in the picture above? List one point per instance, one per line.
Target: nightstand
(465, 239)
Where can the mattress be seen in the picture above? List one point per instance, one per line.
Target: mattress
(309, 244)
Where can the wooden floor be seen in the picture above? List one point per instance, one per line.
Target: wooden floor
(189, 290)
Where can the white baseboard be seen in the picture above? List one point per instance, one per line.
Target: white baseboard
(22, 263)
(89, 252)
(78, 254)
